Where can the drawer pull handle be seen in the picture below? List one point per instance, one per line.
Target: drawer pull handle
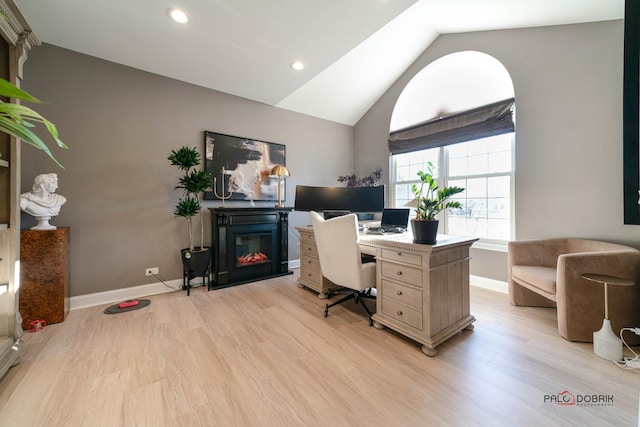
(308, 274)
(399, 293)
(399, 253)
(399, 273)
(399, 312)
(309, 262)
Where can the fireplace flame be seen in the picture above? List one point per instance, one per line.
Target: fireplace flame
(252, 258)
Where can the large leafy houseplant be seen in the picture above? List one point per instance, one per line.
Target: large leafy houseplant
(192, 183)
(430, 199)
(16, 119)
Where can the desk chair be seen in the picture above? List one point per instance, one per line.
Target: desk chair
(340, 259)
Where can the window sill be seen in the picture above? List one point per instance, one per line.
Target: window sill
(490, 246)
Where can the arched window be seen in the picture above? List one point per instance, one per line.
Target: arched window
(458, 113)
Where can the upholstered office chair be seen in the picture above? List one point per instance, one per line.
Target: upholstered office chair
(340, 258)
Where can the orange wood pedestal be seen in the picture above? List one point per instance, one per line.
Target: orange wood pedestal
(44, 275)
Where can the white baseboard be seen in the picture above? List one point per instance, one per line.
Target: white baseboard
(491, 284)
(119, 295)
(294, 263)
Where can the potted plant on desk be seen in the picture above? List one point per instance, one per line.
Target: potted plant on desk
(428, 205)
(194, 181)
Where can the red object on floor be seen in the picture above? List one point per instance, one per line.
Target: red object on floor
(126, 304)
(37, 325)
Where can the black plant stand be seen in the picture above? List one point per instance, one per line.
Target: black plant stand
(196, 264)
(188, 276)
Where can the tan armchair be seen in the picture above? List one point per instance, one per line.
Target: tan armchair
(548, 273)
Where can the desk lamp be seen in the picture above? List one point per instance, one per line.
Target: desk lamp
(279, 171)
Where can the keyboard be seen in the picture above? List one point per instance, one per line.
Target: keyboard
(385, 230)
(374, 230)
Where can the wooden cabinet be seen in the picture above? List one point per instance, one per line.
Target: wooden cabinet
(310, 274)
(422, 290)
(44, 275)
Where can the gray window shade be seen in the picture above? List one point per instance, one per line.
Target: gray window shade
(480, 122)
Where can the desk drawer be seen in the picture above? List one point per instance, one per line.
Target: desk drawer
(401, 312)
(401, 273)
(309, 249)
(311, 275)
(403, 294)
(306, 236)
(402, 256)
(308, 261)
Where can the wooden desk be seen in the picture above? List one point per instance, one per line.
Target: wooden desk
(422, 290)
(310, 275)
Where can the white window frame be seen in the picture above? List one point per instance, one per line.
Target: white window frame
(443, 178)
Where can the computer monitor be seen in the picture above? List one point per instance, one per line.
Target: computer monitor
(352, 199)
(328, 214)
(395, 217)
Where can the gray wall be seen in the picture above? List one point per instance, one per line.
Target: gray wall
(121, 124)
(568, 88)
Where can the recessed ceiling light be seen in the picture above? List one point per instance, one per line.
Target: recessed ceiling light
(178, 15)
(297, 65)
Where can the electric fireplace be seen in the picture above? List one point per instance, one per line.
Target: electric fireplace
(249, 244)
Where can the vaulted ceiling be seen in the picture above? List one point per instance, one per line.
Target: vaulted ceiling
(353, 50)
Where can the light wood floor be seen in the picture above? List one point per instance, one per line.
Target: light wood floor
(262, 354)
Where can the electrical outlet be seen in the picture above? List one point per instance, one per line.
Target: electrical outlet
(150, 271)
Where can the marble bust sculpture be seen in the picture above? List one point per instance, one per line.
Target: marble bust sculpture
(42, 202)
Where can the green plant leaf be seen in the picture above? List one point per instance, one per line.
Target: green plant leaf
(434, 199)
(11, 91)
(187, 207)
(195, 181)
(14, 119)
(24, 134)
(19, 114)
(184, 158)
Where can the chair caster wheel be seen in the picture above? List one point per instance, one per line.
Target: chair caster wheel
(370, 322)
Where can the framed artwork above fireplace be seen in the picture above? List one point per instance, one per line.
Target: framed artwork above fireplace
(241, 167)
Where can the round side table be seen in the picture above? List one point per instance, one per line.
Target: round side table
(606, 343)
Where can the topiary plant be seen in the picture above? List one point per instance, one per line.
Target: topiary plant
(192, 183)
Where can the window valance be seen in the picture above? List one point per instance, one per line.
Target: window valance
(481, 122)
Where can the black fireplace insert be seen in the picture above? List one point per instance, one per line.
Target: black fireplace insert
(250, 244)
